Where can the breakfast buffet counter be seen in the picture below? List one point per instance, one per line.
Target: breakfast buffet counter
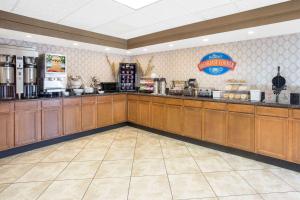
(263, 128)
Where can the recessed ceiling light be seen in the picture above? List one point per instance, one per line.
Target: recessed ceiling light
(107, 49)
(136, 4)
(28, 36)
(205, 40)
(171, 45)
(250, 32)
(128, 52)
(75, 44)
(145, 49)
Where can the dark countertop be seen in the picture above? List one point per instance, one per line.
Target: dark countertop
(268, 104)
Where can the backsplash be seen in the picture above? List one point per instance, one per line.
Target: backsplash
(257, 62)
(81, 62)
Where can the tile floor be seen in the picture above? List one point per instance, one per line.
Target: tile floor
(133, 164)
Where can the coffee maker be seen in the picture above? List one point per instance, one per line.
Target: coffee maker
(7, 77)
(30, 77)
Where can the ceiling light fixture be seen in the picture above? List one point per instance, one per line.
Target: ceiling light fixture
(128, 52)
(107, 49)
(75, 44)
(205, 40)
(28, 36)
(136, 4)
(171, 45)
(250, 32)
(145, 49)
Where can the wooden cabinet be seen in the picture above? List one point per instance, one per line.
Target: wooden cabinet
(72, 115)
(89, 113)
(144, 111)
(174, 116)
(192, 122)
(27, 122)
(241, 131)
(6, 126)
(104, 111)
(271, 136)
(214, 126)
(158, 111)
(132, 106)
(52, 119)
(295, 140)
(119, 108)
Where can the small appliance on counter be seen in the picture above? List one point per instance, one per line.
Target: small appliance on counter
(53, 74)
(177, 87)
(30, 77)
(255, 95)
(295, 98)
(109, 87)
(148, 85)
(237, 90)
(127, 77)
(7, 77)
(278, 84)
(191, 89)
(217, 94)
(206, 92)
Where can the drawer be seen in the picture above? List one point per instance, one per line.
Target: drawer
(296, 113)
(89, 100)
(28, 105)
(121, 97)
(241, 108)
(133, 97)
(171, 101)
(144, 98)
(72, 101)
(104, 99)
(6, 107)
(51, 103)
(158, 100)
(192, 103)
(214, 105)
(268, 111)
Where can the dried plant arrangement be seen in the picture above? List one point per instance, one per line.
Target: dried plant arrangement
(113, 67)
(149, 68)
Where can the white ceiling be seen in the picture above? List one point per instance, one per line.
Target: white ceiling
(112, 18)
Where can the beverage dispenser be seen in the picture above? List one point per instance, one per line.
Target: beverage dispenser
(30, 77)
(7, 77)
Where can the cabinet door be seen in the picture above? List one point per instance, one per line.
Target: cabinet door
(27, 122)
(214, 126)
(271, 136)
(158, 116)
(241, 131)
(52, 120)
(119, 108)
(105, 111)
(192, 122)
(89, 113)
(72, 115)
(174, 119)
(132, 110)
(296, 141)
(144, 114)
(7, 126)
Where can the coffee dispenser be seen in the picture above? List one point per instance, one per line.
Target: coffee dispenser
(30, 77)
(7, 77)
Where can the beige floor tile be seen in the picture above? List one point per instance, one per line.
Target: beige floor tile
(6, 160)
(79, 170)
(65, 155)
(148, 152)
(31, 156)
(98, 144)
(146, 167)
(291, 177)
(264, 181)
(240, 163)
(228, 184)
(116, 168)
(149, 188)
(171, 143)
(108, 189)
(190, 186)
(10, 173)
(119, 154)
(243, 197)
(24, 191)
(175, 152)
(213, 164)
(75, 144)
(181, 166)
(3, 187)
(66, 190)
(124, 143)
(91, 154)
(200, 152)
(43, 172)
(282, 196)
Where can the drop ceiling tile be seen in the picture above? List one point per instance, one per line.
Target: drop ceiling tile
(220, 11)
(244, 5)
(197, 5)
(7, 5)
(52, 10)
(113, 28)
(96, 13)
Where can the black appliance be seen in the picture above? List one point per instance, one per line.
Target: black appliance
(295, 98)
(127, 76)
(278, 84)
(109, 86)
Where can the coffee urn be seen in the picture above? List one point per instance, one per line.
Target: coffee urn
(7, 77)
(30, 78)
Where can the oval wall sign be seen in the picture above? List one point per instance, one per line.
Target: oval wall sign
(216, 63)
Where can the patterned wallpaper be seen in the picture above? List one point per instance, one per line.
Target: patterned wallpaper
(257, 62)
(79, 61)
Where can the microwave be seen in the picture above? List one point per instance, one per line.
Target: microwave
(109, 86)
